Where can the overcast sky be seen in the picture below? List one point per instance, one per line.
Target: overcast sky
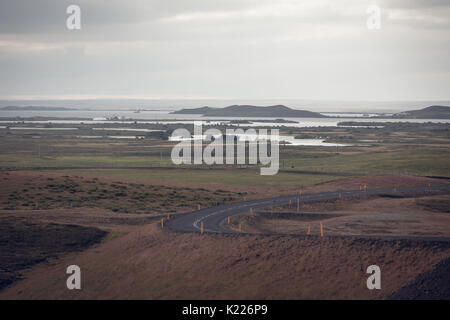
(225, 49)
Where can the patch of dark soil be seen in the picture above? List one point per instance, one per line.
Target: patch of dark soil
(393, 196)
(431, 285)
(437, 205)
(24, 243)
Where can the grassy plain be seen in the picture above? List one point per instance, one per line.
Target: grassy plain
(72, 189)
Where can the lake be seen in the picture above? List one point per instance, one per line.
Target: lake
(165, 117)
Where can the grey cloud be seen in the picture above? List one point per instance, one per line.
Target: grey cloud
(414, 4)
(233, 48)
(37, 16)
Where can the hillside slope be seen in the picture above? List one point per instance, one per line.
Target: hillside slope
(432, 112)
(251, 111)
(151, 263)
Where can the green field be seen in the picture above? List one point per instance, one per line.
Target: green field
(34, 161)
(417, 162)
(217, 176)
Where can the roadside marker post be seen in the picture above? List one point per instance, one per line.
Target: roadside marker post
(298, 203)
(290, 204)
(201, 228)
(309, 230)
(251, 211)
(168, 216)
(228, 220)
(162, 223)
(321, 229)
(198, 207)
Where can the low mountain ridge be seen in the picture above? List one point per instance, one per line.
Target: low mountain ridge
(432, 112)
(251, 111)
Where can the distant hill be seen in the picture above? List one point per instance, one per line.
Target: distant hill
(432, 112)
(36, 108)
(202, 110)
(252, 111)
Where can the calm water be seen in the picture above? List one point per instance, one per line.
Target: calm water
(282, 140)
(166, 117)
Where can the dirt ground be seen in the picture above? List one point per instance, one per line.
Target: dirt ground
(150, 263)
(26, 190)
(139, 260)
(376, 182)
(376, 216)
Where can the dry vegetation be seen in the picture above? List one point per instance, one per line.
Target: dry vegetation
(25, 242)
(43, 216)
(149, 263)
(394, 214)
(104, 185)
(35, 191)
(139, 260)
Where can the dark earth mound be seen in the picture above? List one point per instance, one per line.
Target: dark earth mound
(24, 243)
(431, 285)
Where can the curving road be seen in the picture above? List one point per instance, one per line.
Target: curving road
(213, 217)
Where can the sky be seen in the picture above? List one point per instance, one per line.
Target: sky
(225, 49)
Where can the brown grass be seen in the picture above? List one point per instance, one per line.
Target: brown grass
(149, 263)
(42, 191)
(25, 242)
(153, 264)
(422, 215)
(376, 182)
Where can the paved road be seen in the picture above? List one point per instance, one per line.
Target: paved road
(213, 217)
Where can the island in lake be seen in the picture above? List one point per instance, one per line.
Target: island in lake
(251, 111)
(432, 112)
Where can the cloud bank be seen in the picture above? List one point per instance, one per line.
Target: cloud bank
(249, 49)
